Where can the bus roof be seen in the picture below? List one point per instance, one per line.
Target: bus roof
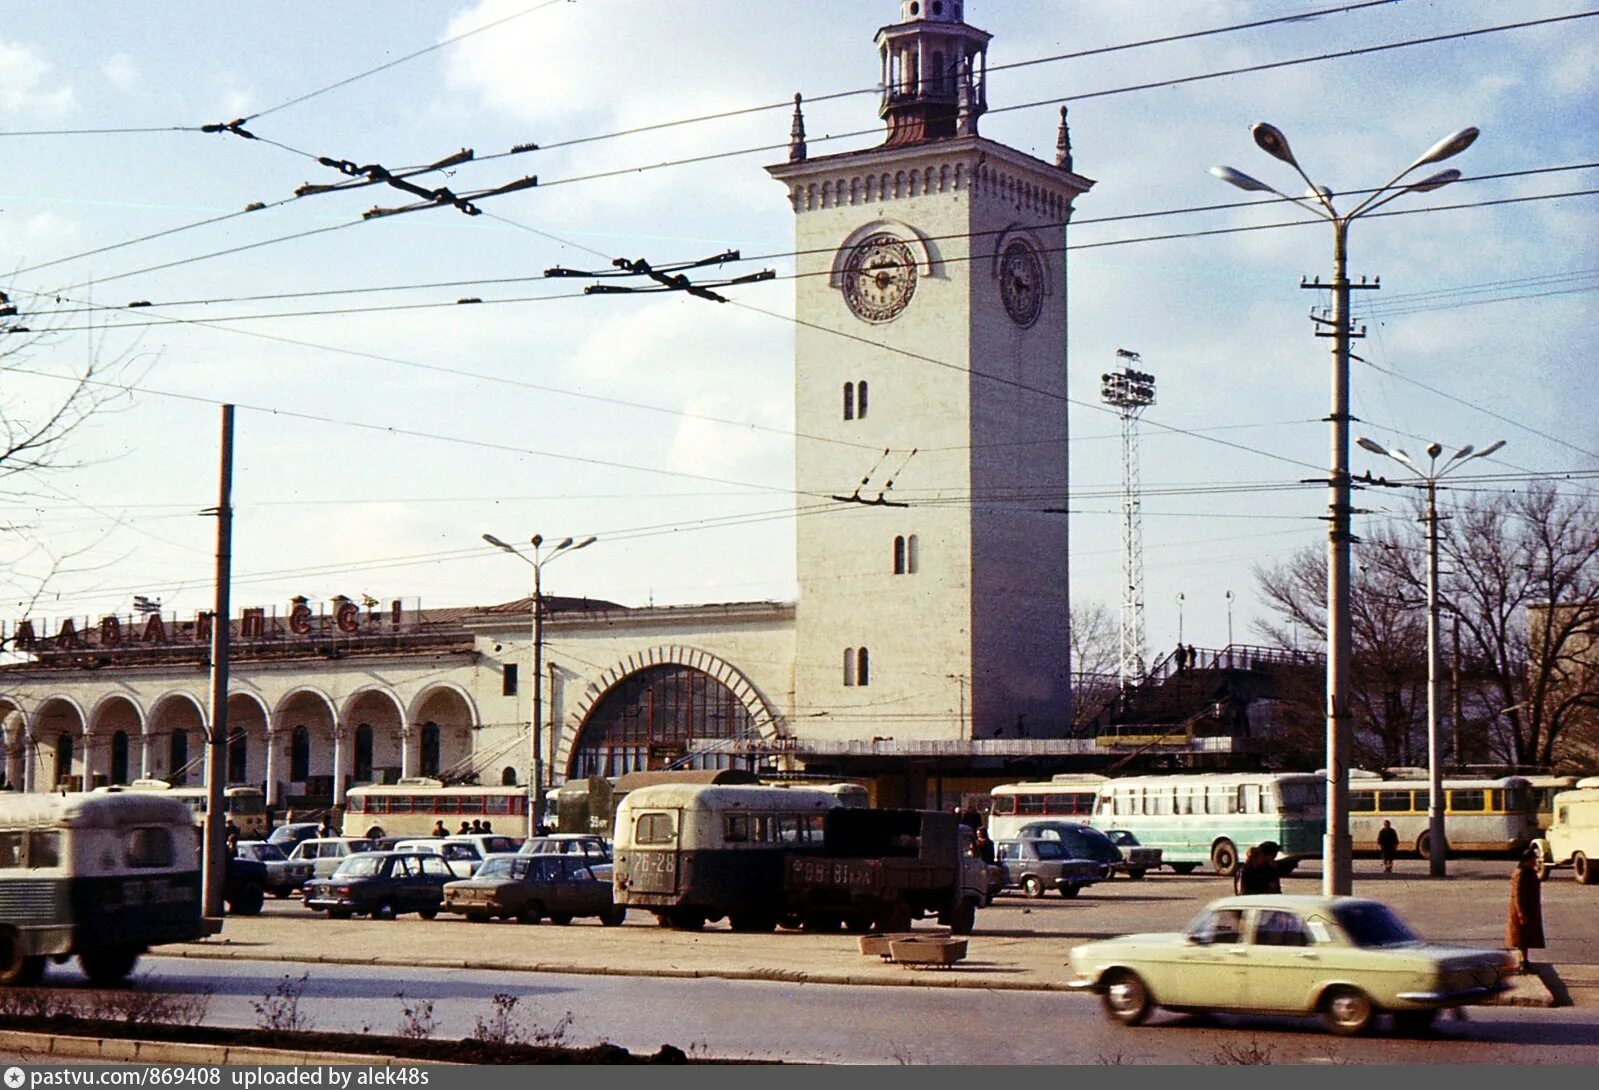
(103, 808)
(1409, 785)
(434, 788)
(689, 796)
(1218, 778)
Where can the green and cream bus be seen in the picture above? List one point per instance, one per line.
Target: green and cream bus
(1215, 817)
(103, 875)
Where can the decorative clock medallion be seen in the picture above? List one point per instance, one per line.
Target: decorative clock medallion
(1021, 279)
(879, 278)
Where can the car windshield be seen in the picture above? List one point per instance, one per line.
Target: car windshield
(497, 868)
(359, 866)
(1368, 923)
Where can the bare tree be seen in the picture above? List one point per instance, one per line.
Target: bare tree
(1096, 648)
(1522, 573)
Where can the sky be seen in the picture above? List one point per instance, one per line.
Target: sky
(382, 427)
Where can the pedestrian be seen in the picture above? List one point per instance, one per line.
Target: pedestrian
(1260, 873)
(1524, 929)
(1388, 844)
(439, 829)
(1193, 657)
(324, 829)
(233, 846)
(971, 818)
(477, 826)
(230, 829)
(983, 846)
(1181, 655)
(466, 830)
(488, 826)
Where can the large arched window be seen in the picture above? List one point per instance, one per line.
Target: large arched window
(238, 758)
(430, 749)
(119, 757)
(300, 754)
(63, 756)
(178, 758)
(664, 716)
(363, 753)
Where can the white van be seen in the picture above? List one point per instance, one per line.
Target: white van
(325, 853)
(1573, 835)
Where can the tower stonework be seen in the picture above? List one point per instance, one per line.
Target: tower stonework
(931, 301)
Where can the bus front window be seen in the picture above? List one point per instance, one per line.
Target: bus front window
(1296, 797)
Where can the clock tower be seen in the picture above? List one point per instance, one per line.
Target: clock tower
(930, 412)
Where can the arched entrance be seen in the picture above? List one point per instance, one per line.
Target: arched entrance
(373, 719)
(667, 715)
(305, 729)
(247, 740)
(104, 762)
(175, 734)
(56, 727)
(444, 722)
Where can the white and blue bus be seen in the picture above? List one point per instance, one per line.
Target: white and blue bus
(1215, 817)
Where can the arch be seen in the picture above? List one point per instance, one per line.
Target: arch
(381, 758)
(248, 739)
(113, 714)
(307, 718)
(175, 712)
(448, 718)
(924, 251)
(119, 757)
(508, 776)
(55, 717)
(747, 703)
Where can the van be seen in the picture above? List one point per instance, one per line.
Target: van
(1573, 835)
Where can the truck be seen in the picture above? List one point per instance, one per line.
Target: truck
(882, 869)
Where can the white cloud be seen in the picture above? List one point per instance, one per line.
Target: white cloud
(24, 86)
(122, 73)
(1576, 71)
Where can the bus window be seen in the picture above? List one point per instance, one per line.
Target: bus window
(788, 829)
(1423, 802)
(760, 829)
(1393, 802)
(1220, 800)
(814, 824)
(1464, 799)
(11, 849)
(737, 829)
(1249, 798)
(1362, 802)
(1004, 805)
(1160, 800)
(44, 849)
(147, 847)
(1029, 804)
(654, 829)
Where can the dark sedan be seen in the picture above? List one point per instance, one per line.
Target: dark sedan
(382, 885)
(529, 888)
(1035, 866)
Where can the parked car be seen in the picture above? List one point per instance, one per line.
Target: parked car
(1346, 959)
(1081, 842)
(528, 888)
(1036, 865)
(283, 875)
(326, 853)
(382, 885)
(287, 836)
(593, 850)
(1137, 860)
(463, 857)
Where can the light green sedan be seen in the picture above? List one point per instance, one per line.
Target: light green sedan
(1347, 959)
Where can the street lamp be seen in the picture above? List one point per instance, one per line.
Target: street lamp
(535, 809)
(1337, 857)
(1437, 845)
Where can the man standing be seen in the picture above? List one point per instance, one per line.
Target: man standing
(1388, 844)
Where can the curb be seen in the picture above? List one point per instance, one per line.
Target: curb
(1536, 992)
(174, 1052)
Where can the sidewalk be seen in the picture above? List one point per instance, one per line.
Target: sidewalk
(1001, 956)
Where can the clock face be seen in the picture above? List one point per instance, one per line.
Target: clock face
(1021, 280)
(879, 278)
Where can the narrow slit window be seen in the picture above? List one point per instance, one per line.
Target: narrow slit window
(849, 401)
(849, 666)
(912, 561)
(899, 556)
(863, 667)
(860, 399)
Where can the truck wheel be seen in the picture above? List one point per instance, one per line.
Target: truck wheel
(109, 964)
(1224, 858)
(247, 901)
(1582, 870)
(617, 914)
(963, 917)
(15, 966)
(1032, 886)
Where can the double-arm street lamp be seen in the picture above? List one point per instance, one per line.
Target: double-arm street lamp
(535, 808)
(1437, 845)
(1337, 871)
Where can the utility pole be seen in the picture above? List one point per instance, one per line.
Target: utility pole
(215, 853)
(1454, 695)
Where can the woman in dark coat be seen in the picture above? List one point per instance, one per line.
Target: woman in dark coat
(1524, 929)
(1260, 873)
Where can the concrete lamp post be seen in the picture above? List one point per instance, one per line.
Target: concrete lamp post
(535, 809)
(1337, 856)
(1437, 844)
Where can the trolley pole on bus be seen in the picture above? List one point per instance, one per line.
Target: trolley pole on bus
(535, 807)
(215, 852)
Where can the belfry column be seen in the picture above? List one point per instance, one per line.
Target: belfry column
(30, 757)
(407, 750)
(338, 765)
(271, 765)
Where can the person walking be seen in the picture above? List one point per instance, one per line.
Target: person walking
(983, 846)
(1181, 655)
(1388, 844)
(439, 829)
(1524, 928)
(1260, 873)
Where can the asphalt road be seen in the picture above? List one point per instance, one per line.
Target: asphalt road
(840, 1024)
